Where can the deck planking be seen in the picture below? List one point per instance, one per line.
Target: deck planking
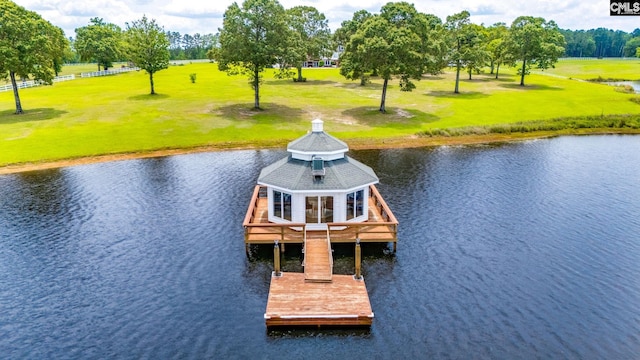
(317, 258)
(293, 301)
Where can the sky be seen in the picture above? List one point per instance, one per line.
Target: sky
(205, 16)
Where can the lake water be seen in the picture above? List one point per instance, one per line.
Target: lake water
(634, 84)
(517, 251)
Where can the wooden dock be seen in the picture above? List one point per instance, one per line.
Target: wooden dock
(293, 301)
(318, 297)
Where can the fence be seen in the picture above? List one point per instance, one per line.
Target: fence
(33, 83)
(108, 72)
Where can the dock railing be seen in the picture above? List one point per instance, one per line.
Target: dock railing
(329, 249)
(257, 229)
(369, 231)
(381, 205)
(264, 232)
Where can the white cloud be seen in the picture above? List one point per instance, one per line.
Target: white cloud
(186, 9)
(197, 16)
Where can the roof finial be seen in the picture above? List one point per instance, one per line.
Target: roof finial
(316, 125)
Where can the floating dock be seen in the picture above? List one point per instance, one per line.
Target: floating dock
(317, 297)
(293, 301)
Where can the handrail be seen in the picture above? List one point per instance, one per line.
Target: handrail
(287, 232)
(363, 224)
(387, 211)
(329, 250)
(252, 206)
(285, 225)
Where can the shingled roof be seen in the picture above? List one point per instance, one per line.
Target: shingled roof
(317, 142)
(296, 175)
(339, 172)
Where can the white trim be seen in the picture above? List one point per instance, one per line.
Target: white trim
(326, 155)
(312, 192)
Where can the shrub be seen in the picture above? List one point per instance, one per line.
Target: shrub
(627, 89)
(192, 77)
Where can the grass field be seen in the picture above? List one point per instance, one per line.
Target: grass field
(591, 69)
(115, 114)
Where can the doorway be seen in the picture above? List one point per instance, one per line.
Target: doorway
(319, 209)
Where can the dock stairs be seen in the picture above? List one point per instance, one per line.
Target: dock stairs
(318, 259)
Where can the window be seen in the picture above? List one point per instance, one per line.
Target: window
(282, 205)
(327, 209)
(355, 204)
(319, 209)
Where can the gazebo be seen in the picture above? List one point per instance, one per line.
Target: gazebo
(317, 183)
(318, 196)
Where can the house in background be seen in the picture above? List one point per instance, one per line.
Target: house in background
(332, 61)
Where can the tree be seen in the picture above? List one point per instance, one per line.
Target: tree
(465, 44)
(252, 38)
(313, 35)
(387, 43)
(533, 40)
(99, 41)
(631, 47)
(147, 47)
(175, 45)
(433, 43)
(579, 43)
(30, 47)
(478, 55)
(342, 37)
(495, 45)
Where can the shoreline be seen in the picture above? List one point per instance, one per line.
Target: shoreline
(354, 144)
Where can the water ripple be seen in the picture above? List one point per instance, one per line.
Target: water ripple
(518, 251)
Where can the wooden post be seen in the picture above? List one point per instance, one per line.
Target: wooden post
(276, 259)
(358, 275)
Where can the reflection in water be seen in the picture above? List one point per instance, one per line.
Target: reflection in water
(523, 250)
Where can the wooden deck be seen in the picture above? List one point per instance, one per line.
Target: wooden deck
(318, 297)
(293, 301)
(382, 225)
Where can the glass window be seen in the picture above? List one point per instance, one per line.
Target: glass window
(355, 204)
(277, 204)
(286, 206)
(327, 209)
(311, 209)
(351, 203)
(282, 205)
(359, 203)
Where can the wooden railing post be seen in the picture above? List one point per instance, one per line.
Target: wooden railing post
(358, 275)
(276, 258)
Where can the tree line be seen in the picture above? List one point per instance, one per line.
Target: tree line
(103, 43)
(31, 47)
(398, 43)
(601, 43)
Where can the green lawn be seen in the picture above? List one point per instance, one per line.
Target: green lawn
(590, 69)
(115, 114)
